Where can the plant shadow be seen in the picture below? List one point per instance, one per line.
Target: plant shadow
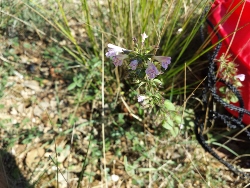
(10, 174)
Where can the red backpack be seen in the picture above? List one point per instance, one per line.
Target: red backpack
(231, 20)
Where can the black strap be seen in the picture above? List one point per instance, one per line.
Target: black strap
(231, 122)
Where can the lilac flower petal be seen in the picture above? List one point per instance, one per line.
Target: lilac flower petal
(115, 53)
(116, 48)
(141, 98)
(152, 71)
(133, 64)
(111, 53)
(118, 59)
(241, 77)
(164, 60)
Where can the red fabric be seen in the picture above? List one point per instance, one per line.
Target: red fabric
(225, 22)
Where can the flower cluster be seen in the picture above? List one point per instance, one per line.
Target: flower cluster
(144, 67)
(228, 72)
(138, 58)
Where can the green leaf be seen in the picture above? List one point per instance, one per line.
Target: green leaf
(79, 84)
(168, 124)
(121, 118)
(71, 86)
(225, 100)
(157, 81)
(146, 169)
(177, 119)
(75, 79)
(169, 105)
(234, 99)
(223, 89)
(174, 131)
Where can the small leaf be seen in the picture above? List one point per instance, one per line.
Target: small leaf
(169, 105)
(238, 84)
(177, 119)
(157, 81)
(79, 84)
(71, 86)
(168, 124)
(222, 89)
(121, 118)
(75, 79)
(174, 131)
(225, 100)
(234, 99)
(146, 169)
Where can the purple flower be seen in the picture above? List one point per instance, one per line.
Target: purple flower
(115, 53)
(241, 77)
(118, 59)
(164, 60)
(141, 98)
(114, 50)
(111, 53)
(133, 64)
(152, 71)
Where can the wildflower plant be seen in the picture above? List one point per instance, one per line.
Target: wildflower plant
(145, 68)
(140, 59)
(228, 72)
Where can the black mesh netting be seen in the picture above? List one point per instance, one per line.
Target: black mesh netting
(210, 96)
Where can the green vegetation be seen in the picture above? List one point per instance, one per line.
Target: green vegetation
(74, 119)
